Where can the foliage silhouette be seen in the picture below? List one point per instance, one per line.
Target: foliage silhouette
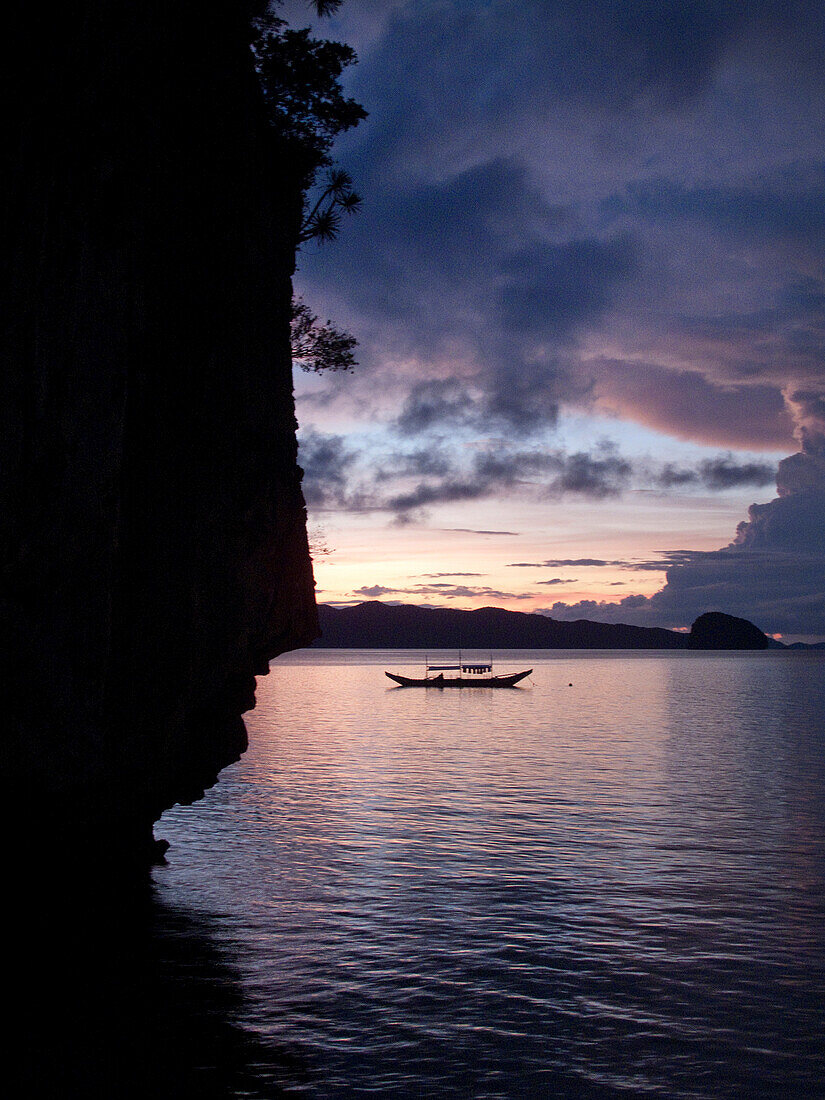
(307, 110)
(319, 347)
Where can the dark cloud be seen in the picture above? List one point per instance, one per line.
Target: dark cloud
(529, 57)
(435, 403)
(537, 171)
(444, 492)
(550, 473)
(326, 461)
(473, 531)
(333, 479)
(720, 473)
(808, 408)
(601, 474)
(437, 576)
(443, 590)
(427, 462)
(773, 572)
(561, 563)
(675, 477)
(559, 580)
(720, 366)
(780, 593)
(725, 473)
(787, 207)
(375, 591)
(654, 565)
(462, 591)
(469, 270)
(550, 289)
(688, 405)
(791, 523)
(599, 477)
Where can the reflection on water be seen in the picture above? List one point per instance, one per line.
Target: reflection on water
(614, 888)
(117, 994)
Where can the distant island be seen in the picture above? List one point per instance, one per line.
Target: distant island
(376, 625)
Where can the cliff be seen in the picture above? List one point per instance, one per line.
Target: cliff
(154, 546)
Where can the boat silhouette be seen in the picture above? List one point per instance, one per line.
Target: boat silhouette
(472, 675)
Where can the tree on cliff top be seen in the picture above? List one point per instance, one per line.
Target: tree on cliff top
(307, 110)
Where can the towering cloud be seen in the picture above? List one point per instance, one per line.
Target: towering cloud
(773, 572)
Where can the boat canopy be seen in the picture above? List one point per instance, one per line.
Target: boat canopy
(459, 668)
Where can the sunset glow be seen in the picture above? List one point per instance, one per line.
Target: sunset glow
(587, 284)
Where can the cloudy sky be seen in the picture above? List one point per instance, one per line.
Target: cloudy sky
(587, 285)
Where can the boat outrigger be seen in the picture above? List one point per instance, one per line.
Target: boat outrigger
(469, 675)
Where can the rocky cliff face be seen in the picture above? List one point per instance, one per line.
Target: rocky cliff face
(154, 546)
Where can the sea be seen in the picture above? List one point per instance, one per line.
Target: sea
(606, 882)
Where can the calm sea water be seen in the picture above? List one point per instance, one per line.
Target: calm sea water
(607, 882)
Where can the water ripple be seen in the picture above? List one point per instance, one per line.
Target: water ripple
(613, 890)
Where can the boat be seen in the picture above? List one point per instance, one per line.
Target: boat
(469, 676)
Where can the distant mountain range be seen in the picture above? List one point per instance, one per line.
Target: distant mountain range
(375, 625)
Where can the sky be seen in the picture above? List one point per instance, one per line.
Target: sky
(587, 284)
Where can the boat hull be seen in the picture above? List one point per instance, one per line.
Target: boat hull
(459, 681)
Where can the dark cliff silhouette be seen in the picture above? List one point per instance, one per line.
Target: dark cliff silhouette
(714, 630)
(154, 544)
(375, 625)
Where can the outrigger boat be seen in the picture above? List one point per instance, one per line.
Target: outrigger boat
(477, 675)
